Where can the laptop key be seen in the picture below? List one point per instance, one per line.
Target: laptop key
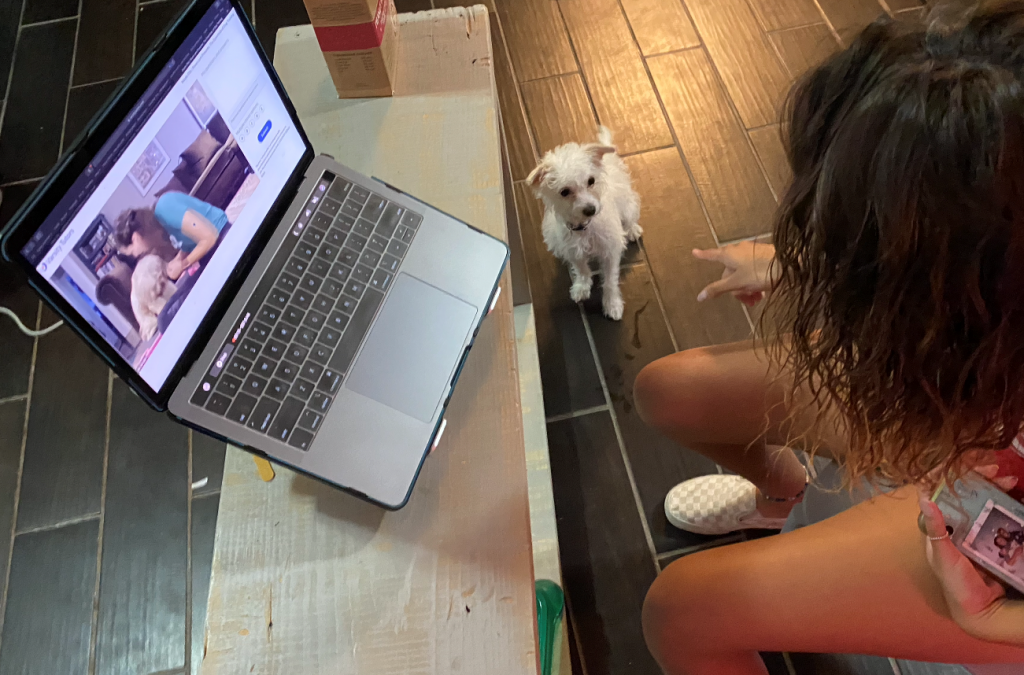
(301, 439)
(370, 258)
(363, 228)
(357, 328)
(284, 332)
(218, 404)
(269, 314)
(348, 257)
(277, 389)
(314, 320)
(336, 322)
(259, 332)
(330, 336)
(296, 353)
(302, 389)
(274, 349)
(314, 235)
(228, 385)
(264, 366)
(321, 220)
(304, 250)
(286, 419)
(320, 353)
(263, 415)
(241, 408)
(390, 263)
(355, 288)
(296, 266)
(329, 381)
(358, 194)
(389, 221)
(397, 248)
(362, 272)
(328, 252)
(239, 367)
(287, 281)
(311, 371)
(405, 234)
(305, 337)
(332, 288)
(303, 298)
(330, 207)
(323, 304)
(293, 315)
(335, 237)
(339, 189)
(347, 304)
(381, 280)
(248, 348)
(378, 243)
(287, 371)
(374, 207)
(320, 267)
(344, 222)
(201, 394)
(351, 208)
(277, 298)
(320, 402)
(340, 272)
(355, 242)
(311, 283)
(310, 420)
(254, 386)
(412, 220)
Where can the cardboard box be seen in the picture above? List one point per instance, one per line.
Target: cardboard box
(359, 39)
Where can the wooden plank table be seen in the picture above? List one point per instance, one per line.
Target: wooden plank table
(307, 579)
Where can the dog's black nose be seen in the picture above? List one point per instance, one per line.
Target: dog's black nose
(589, 211)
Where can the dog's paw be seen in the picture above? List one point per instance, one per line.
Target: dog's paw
(634, 232)
(613, 307)
(580, 291)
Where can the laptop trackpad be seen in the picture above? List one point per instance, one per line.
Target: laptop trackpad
(408, 357)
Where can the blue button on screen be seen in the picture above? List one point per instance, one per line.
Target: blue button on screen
(264, 131)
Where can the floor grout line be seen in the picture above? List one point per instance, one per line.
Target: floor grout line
(12, 399)
(99, 539)
(49, 21)
(7, 99)
(641, 152)
(686, 550)
(188, 559)
(20, 474)
(90, 84)
(519, 95)
(22, 181)
(49, 527)
(71, 80)
(645, 526)
(576, 413)
(789, 663)
(579, 65)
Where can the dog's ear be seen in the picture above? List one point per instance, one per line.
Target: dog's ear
(537, 175)
(598, 151)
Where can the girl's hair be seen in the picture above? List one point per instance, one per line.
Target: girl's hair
(138, 220)
(900, 242)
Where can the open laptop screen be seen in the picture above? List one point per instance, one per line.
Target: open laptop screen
(148, 234)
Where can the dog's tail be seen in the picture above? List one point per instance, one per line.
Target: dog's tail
(604, 135)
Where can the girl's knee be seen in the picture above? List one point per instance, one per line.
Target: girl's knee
(675, 611)
(670, 393)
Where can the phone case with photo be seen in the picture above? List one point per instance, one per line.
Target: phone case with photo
(987, 526)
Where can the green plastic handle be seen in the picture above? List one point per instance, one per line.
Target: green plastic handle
(550, 602)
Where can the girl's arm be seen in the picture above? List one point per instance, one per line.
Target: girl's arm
(199, 229)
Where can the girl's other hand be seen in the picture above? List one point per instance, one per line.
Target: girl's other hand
(747, 273)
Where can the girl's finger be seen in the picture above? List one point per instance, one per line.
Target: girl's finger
(989, 471)
(1006, 483)
(712, 254)
(715, 289)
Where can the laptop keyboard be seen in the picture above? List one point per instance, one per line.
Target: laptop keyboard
(296, 339)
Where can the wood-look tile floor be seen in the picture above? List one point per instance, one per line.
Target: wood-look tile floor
(105, 551)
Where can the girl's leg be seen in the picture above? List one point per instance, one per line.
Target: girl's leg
(856, 583)
(726, 403)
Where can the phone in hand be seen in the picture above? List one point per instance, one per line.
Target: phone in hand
(987, 525)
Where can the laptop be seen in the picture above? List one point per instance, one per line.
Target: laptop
(269, 297)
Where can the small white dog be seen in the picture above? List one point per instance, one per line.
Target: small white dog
(151, 289)
(590, 211)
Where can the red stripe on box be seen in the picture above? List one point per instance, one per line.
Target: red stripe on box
(355, 36)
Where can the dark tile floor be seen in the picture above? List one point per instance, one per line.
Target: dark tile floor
(106, 568)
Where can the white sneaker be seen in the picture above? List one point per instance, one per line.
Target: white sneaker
(717, 504)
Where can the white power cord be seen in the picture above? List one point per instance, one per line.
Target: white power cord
(25, 329)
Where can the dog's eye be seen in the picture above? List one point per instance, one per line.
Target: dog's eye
(566, 192)
(591, 181)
